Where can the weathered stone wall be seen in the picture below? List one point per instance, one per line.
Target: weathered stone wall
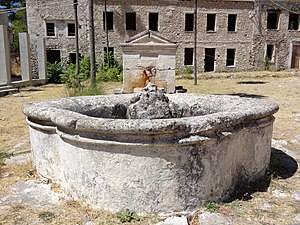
(282, 38)
(249, 43)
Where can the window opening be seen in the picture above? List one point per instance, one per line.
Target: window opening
(71, 29)
(153, 21)
(53, 56)
(231, 22)
(188, 56)
(50, 29)
(189, 22)
(211, 22)
(230, 57)
(294, 21)
(72, 58)
(270, 52)
(131, 21)
(110, 20)
(272, 20)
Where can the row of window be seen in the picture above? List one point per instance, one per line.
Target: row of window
(153, 18)
(273, 20)
(51, 29)
(209, 56)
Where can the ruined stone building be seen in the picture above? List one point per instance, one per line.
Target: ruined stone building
(232, 35)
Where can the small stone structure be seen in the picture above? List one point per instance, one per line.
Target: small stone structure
(149, 57)
(162, 163)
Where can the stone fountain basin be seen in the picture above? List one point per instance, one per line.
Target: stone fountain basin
(159, 166)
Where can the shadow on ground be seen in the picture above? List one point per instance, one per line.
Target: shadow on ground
(282, 166)
(245, 95)
(252, 82)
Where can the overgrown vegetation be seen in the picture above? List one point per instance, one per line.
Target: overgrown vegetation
(78, 84)
(54, 72)
(188, 73)
(267, 63)
(110, 70)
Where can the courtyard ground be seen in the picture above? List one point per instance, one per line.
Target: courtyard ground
(277, 201)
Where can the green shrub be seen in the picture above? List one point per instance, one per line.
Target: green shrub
(267, 63)
(71, 79)
(189, 70)
(85, 67)
(54, 71)
(112, 61)
(110, 74)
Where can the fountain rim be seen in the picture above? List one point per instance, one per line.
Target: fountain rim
(43, 113)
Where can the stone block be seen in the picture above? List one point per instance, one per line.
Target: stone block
(25, 56)
(5, 75)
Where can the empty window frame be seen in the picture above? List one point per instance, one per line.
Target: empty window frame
(72, 58)
(50, 29)
(153, 21)
(71, 29)
(131, 21)
(272, 19)
(53, 56)
(188, 56)
(230, 57)
(110, 20)
(211, 22)
(231, 23)
(270, 52)
(294, 21)
(189, 22)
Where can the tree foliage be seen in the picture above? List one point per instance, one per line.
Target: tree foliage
(17, 19)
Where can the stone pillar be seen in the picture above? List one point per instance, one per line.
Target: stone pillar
(5, 75)
(42, 58)
(25, 57)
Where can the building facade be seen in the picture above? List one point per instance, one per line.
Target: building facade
(232, 35)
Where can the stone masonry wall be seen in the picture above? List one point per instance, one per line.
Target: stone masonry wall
(250, 44)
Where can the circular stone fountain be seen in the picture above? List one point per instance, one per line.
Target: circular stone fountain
(151, 153)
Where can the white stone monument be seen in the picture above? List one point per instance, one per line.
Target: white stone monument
(149, 57)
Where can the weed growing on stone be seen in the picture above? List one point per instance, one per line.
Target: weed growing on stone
(212, 206)
(127, 216)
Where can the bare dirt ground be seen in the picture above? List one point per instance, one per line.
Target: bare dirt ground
(275, 201)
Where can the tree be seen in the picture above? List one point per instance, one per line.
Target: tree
(17, 20)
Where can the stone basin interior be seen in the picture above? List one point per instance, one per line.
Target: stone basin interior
(150, 152)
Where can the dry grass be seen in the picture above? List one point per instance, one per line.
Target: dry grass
(285, 91)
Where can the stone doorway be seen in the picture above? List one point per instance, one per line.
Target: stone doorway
(209, 61)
